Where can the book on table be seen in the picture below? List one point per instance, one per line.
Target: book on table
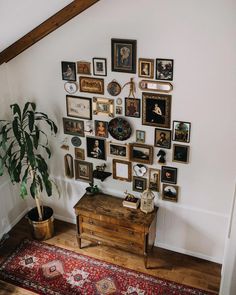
(131, 202)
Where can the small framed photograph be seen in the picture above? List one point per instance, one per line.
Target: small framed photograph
(118, 150)
(68, 71)
(141, 153)
(169, 174)
(132, 107)
(181, 131)
(79, 154)
(73, 127)
(99, 66)
(79, 107)
(154, 179)
(162, 138)
(170, 192)
(139, 184)
(123, 55)
(103, 106)
(101, 128)
(91, 85)
(96, 148)
(84, 67)
(164, 69)
(121, 170)
(156, 110)
(180, 153)
(146, 68)
(150, 85)
(83, 171)
(119, 110)
(140, 136)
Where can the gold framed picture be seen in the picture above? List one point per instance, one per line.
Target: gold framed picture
(103, 106)
(84, 67)
(79, 154)
(154, 179)
(91, 85)
(146, 68)
(83, 171)
(141, 153)
(170, 192)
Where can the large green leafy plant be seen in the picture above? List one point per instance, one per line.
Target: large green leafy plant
(23, 149)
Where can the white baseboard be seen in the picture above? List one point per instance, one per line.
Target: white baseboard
(66, 219)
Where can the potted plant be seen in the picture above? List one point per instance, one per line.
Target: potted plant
(92, 189)
(23, 150)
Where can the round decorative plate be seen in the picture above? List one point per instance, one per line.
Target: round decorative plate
(119, 128)
(71, 87)
(76, 141)
(114, 88)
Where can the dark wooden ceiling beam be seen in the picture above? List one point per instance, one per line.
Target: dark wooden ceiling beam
(45, 28)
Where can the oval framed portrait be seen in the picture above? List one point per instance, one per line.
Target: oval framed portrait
(114, 88)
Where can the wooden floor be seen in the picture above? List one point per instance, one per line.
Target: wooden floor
(166, 264)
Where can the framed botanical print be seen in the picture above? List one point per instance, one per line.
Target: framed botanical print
(162, 138)
(96, 148)
(156, 109)
(154, 179)
(164, 69)
(99, 66)
(121, 170)
(123, 55)
(103, 106)
(139, 184)
(132, 107)
(73, 127)
(91, 85)
(141, 153)
(181, 131)
(84, 67)
(146, 68)
(79, 107)
(170, 192)
(180, 153)
(68, 71)
(118, 150)
(169, 174)
(101, 128)
(83, 171)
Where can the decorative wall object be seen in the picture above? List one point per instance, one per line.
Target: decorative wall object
(146, 68)
(121, 170)
(161, 155)
(99, 66)
(170, 192)
(79, 107)
(119, 101)
(96, 148)
(180, 153)
(148, 85)
(139, 184)
(119, 128)
(141, 153)
(154, 179)
(71, 87)
(101, 128)
(83, 171)
(169, 174)
(156, 110)
(64, 144)
(132, 107)
(76, 141)
(68, 71)
(140, 170)
(164, 69)
(100, 172)
(84, 67)
(123, 55)
(140, 136)
(162, 138)
(181, 131)
(91, 85)
(69, 168)
(114, 88)
(103, 106)
(118, 150)
(73, 127)
(79, 154)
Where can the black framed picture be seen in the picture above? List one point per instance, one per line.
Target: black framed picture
(73, 127)
(164, 69)
(169, 174)
(170, 192)
(101, 128)
(156, 109)
(181, 131)
(162, 138)
(132, 107)
(123, 55)
(68, 69)
(96, 148)
(139, 184)
(99, 66)
(180, 153)
(79, 107)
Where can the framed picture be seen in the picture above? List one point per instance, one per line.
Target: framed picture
(91, 85)
(150, 85)
(96, 148)
(73, 127)
(170, 192)
(180, 153)
(181, 131)
(68, 71)
(154, 179)
(132, 107)
(162, 138)
(169, 174)
(139, 184)
(146, 68)
(99, 66)
(83, 171)
(79, 154)
(114, 88)
(123, 55)
(121, 170)
(103, 106)
(140, 136)
(119, 110)
(118, 150)
(69, 167)
(84, 67)
(164, 69)
(79, 107)
(156, 110)
(101, 128)
(141, 153)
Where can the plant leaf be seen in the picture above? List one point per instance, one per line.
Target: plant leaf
(16, 109)
(31, 120)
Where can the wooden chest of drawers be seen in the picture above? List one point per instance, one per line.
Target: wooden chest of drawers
(103, 219)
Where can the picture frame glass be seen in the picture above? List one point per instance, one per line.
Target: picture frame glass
(96, 148)
(169, 174)
(132, 107)
(73, 127)
(101, 128)
(146, 68)
(162, 138)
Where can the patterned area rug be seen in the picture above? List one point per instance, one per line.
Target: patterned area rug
(51, 270)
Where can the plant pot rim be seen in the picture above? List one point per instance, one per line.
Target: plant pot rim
(34, 212)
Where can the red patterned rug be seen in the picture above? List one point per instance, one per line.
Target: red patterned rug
(51, 270)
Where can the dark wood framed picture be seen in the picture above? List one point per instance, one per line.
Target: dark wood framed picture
(79, 107)
(123, 55)
(101, 128)
(169, 174)
(156, 110)
(83, 67)
(154, 179)
(118, 150)
(99, 66)
(141, 153)
(146, 68)
(91, 85)
(83, 171)
(140, 136)
(164, 69)
(139, 184)
(96, 148)
(162, 138)
(181, 131)
(79, 154)
(180, 153)
(73, 127)
(121, 170)
(68, 71)
(170, 192)
(132, 107)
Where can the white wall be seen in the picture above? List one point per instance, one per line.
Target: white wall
(200, 37)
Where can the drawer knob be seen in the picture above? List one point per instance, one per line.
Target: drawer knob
(90, 221)
(131, 233)
(131, 244)
(91, 233)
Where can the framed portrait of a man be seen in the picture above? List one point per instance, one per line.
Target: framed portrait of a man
(162, 138)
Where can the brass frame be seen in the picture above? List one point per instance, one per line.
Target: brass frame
(118, 144)
(82, 153)
(151, 63)
(91, 85)
(109, 102)
(148, 85)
